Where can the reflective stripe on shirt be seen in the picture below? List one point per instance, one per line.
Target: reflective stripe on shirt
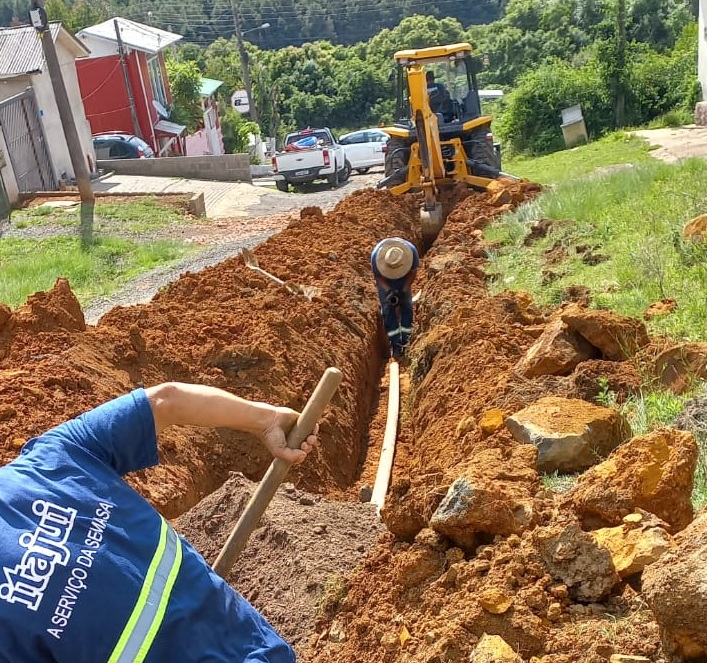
(140, 631)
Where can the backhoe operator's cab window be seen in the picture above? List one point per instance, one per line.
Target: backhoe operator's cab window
(451, 86)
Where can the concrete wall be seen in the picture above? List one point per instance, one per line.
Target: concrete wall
(49, 111)
(226, 168)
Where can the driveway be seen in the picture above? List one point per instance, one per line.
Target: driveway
(676, 143)
(229, 200)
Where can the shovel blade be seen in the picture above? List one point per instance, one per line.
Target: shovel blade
(249, 259)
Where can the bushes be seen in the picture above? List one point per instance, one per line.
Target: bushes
(658, 85)
(531, 119)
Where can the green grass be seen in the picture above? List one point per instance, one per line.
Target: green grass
(560, 483)
(127, 217)
(633, 220)
(29, 266)
(647, 411)
(579, 162)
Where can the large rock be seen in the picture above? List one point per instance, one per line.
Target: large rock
(570, 434)
(676, 590)
(576, 559)
(652, 472)
(493, 494)
(678, 367)
(494, 649)
(696, 229)
(556, 352)
(639, 542)
(605, 379)
(616, 336)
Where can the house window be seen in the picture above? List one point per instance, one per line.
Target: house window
(158, 89)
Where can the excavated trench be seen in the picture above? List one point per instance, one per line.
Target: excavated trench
(416, 594)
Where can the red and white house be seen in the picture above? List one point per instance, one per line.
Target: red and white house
(207, 139)
(124, 83)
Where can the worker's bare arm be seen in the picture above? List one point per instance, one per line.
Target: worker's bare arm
(177, 403)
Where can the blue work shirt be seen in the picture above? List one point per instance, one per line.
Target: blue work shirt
(395, 284)
(91, 573)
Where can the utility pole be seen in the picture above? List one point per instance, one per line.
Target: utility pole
(38, 17)
(254, 115)
(126, 78)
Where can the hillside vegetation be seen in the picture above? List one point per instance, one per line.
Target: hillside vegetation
(626, 62)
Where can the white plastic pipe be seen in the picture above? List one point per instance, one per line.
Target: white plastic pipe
(385, 464)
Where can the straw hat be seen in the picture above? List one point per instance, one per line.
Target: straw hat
(394, 258)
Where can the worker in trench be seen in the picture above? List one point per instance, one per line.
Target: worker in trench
(394, 262)
(92, 572)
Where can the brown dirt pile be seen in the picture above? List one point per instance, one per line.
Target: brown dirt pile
(415, 597)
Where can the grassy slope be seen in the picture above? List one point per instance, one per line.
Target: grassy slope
(117, 254)
(611, 202)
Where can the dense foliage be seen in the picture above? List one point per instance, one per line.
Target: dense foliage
(291, 22)
(627, 62)
(654, 75)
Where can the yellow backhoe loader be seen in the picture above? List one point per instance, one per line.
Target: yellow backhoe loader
(442, 138)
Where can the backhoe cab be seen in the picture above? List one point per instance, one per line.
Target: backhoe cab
(442, 138)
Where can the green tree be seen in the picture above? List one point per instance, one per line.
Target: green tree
(185, 82)
(58, 11)
(236, 131)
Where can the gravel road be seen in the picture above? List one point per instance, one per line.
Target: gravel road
(223, 238)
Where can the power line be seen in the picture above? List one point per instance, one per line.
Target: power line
(275, 14)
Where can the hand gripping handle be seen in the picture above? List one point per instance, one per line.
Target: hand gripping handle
(269, 484)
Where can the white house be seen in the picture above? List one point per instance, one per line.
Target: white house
(32, 139)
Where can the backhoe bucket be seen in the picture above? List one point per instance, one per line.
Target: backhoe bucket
(431, 222)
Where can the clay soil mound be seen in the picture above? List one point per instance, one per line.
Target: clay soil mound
(321, 566)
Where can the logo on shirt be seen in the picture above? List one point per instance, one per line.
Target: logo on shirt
(27, 581)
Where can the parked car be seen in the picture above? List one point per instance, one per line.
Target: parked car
(310, 155)
(120, 145)
(365, 149)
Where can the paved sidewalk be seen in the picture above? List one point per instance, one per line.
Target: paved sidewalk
(222, 199)
(238, 199)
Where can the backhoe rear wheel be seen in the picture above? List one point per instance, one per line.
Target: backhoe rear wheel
(397, 155)
(479, 148)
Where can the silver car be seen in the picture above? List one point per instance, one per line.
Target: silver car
(365, 148)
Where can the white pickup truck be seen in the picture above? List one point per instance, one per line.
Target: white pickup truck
(309, 155)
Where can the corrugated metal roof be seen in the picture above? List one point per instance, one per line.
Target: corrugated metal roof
(21, 49)
(209, 86)
(134, 35)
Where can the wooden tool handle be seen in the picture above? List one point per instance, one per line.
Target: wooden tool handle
(269, 484)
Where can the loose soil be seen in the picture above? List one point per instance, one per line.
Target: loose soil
(340, 584)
